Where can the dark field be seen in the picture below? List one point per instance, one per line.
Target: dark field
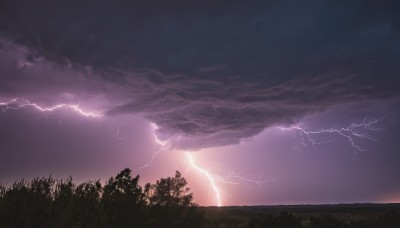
(340, 215)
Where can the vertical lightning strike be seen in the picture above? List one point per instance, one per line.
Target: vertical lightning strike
(18, 103)
(209, 177)
(234, 178)
(359, 131)
(231, 178)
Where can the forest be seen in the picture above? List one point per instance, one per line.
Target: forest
(122, 202)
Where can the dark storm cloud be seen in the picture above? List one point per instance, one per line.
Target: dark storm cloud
(211, 73)
(45, 83)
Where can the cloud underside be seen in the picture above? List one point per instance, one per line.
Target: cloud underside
(211, 74)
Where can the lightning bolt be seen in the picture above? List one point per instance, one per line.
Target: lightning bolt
(353, 132)
(18, 103)
(209, 177)
(164, 145)
(239, 178)
(230, 178)
(120, 135)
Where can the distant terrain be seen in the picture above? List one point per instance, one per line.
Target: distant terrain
(331, 215)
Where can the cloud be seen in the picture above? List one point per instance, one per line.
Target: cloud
(212, 74)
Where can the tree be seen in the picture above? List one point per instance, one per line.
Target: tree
(64, 209)
(28, 204)
(123, 200)
(170, 192)
(171, 204)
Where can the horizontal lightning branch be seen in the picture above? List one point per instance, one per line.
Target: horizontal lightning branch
(18, 103)
(239, 178)
(353, 132)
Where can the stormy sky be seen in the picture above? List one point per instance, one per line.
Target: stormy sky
(244, 87)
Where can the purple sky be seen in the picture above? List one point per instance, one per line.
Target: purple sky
(243, 88)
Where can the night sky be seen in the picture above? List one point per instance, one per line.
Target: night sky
(256, 102)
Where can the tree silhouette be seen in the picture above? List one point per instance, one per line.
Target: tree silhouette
(28, 204)
(171, 204)
(170, 192)
(123, 200)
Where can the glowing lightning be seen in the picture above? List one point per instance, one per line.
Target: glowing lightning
(231, 178)
(208, 176)
(165, 145)
(351, 133)
(237, 178)
(18, 103)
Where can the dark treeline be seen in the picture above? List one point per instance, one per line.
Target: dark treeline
(122, 202)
